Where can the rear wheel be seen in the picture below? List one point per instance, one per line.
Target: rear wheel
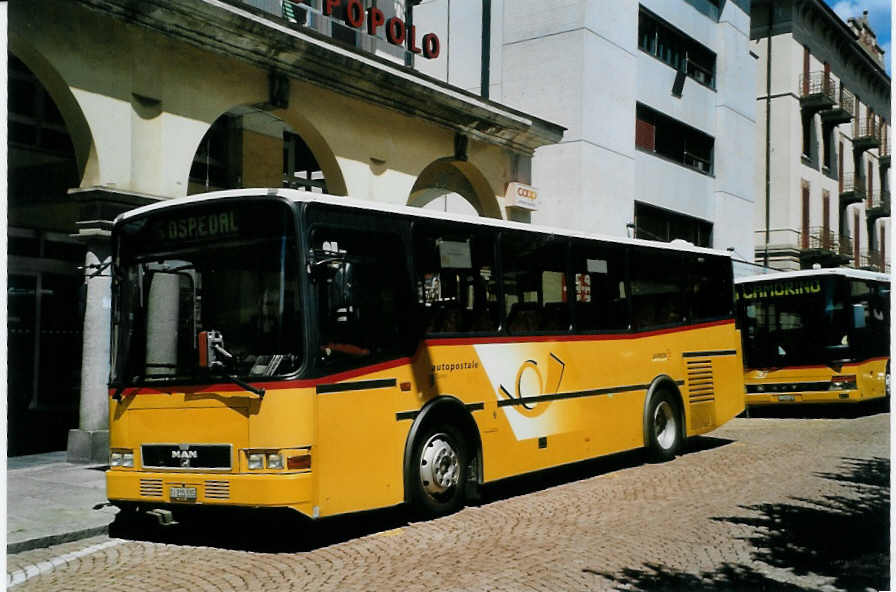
(664, 427)
(439, 471)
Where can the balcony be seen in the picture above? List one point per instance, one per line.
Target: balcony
(853, 189)
(878, 205)
(817, 91)
(865, 135)
(823, 246)
(842, 110)
(873, 261)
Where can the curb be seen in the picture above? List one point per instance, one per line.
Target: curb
(56, 539)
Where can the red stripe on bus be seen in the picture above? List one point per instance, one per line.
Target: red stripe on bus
(312, 382)
(567, 337)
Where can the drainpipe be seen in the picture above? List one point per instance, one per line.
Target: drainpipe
(768, 128)
(486, 47)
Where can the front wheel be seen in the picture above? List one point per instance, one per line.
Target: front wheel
(439, 471)
(664, 427)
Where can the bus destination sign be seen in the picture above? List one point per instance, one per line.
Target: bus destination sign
(797, 287)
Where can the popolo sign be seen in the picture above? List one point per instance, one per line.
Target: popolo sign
(397, 32)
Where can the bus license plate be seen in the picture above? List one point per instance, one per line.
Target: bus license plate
(786, 398)
(183, 494)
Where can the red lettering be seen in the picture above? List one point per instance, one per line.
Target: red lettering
(354, 13)
(329, 5)
(412, 39)
(395, 31)
(431, 46)
(375, 19)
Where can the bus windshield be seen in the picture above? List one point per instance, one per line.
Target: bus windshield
(794, 322)
(229, 268)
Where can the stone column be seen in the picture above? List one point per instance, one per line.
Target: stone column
(89, 442)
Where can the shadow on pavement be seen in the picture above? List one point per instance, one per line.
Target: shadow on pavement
(820, 410)
(285, 531)
(256, 530)
(844, 539)
(525, 484)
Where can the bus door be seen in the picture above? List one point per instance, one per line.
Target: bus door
(361, 298)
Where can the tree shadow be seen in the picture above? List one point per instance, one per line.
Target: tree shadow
(842, 538)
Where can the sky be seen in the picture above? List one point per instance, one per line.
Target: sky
(879, 17)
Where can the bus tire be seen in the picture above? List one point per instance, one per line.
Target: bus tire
(664, 427)
(439, 464)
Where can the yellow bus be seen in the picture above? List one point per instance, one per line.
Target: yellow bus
(276, 348)
(815, 336)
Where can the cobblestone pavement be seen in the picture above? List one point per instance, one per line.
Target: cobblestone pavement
(760, 504)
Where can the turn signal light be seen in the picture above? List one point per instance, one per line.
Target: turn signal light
(298, 463)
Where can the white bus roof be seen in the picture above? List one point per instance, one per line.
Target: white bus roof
(827, 271)
(306, 196)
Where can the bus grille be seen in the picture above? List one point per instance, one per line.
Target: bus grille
(217, 490)
(151, 487)
(700, 381)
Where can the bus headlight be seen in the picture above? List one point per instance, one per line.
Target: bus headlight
(121, 458)
(275, 461)
(256, 461)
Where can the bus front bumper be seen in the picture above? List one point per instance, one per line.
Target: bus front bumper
(145, 488)
(803, 397)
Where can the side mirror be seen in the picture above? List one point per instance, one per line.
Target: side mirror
(858, 316)
(211, 349)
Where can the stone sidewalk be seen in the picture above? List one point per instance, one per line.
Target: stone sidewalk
(51, 501)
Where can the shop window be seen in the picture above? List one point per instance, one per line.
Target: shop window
(601, 300)
(455, 279)
(666, 43)
(534, 280)
(673, 140)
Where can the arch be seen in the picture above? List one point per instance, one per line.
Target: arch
(283, 121)
(447, 175)
(59, 90)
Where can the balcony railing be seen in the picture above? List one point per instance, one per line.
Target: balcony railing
(873, 260)
(825, 239)
(862, 128)
(854, 186)
(818, 84)
(846, 100)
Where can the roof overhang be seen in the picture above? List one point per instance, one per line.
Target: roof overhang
(264, 40)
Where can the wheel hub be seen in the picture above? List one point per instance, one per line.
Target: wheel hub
(439, 467)
(664, 425)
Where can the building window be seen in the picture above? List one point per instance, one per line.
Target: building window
(666, 43)
(300, 168)
(669, 138)
(654, 223)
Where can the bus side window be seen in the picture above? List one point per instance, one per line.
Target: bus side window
(657, 290)
(534, 280)
(455, 279)
(708, 288)
(362, 301)
(601, 301)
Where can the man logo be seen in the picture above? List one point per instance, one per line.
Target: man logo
(185, 456)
